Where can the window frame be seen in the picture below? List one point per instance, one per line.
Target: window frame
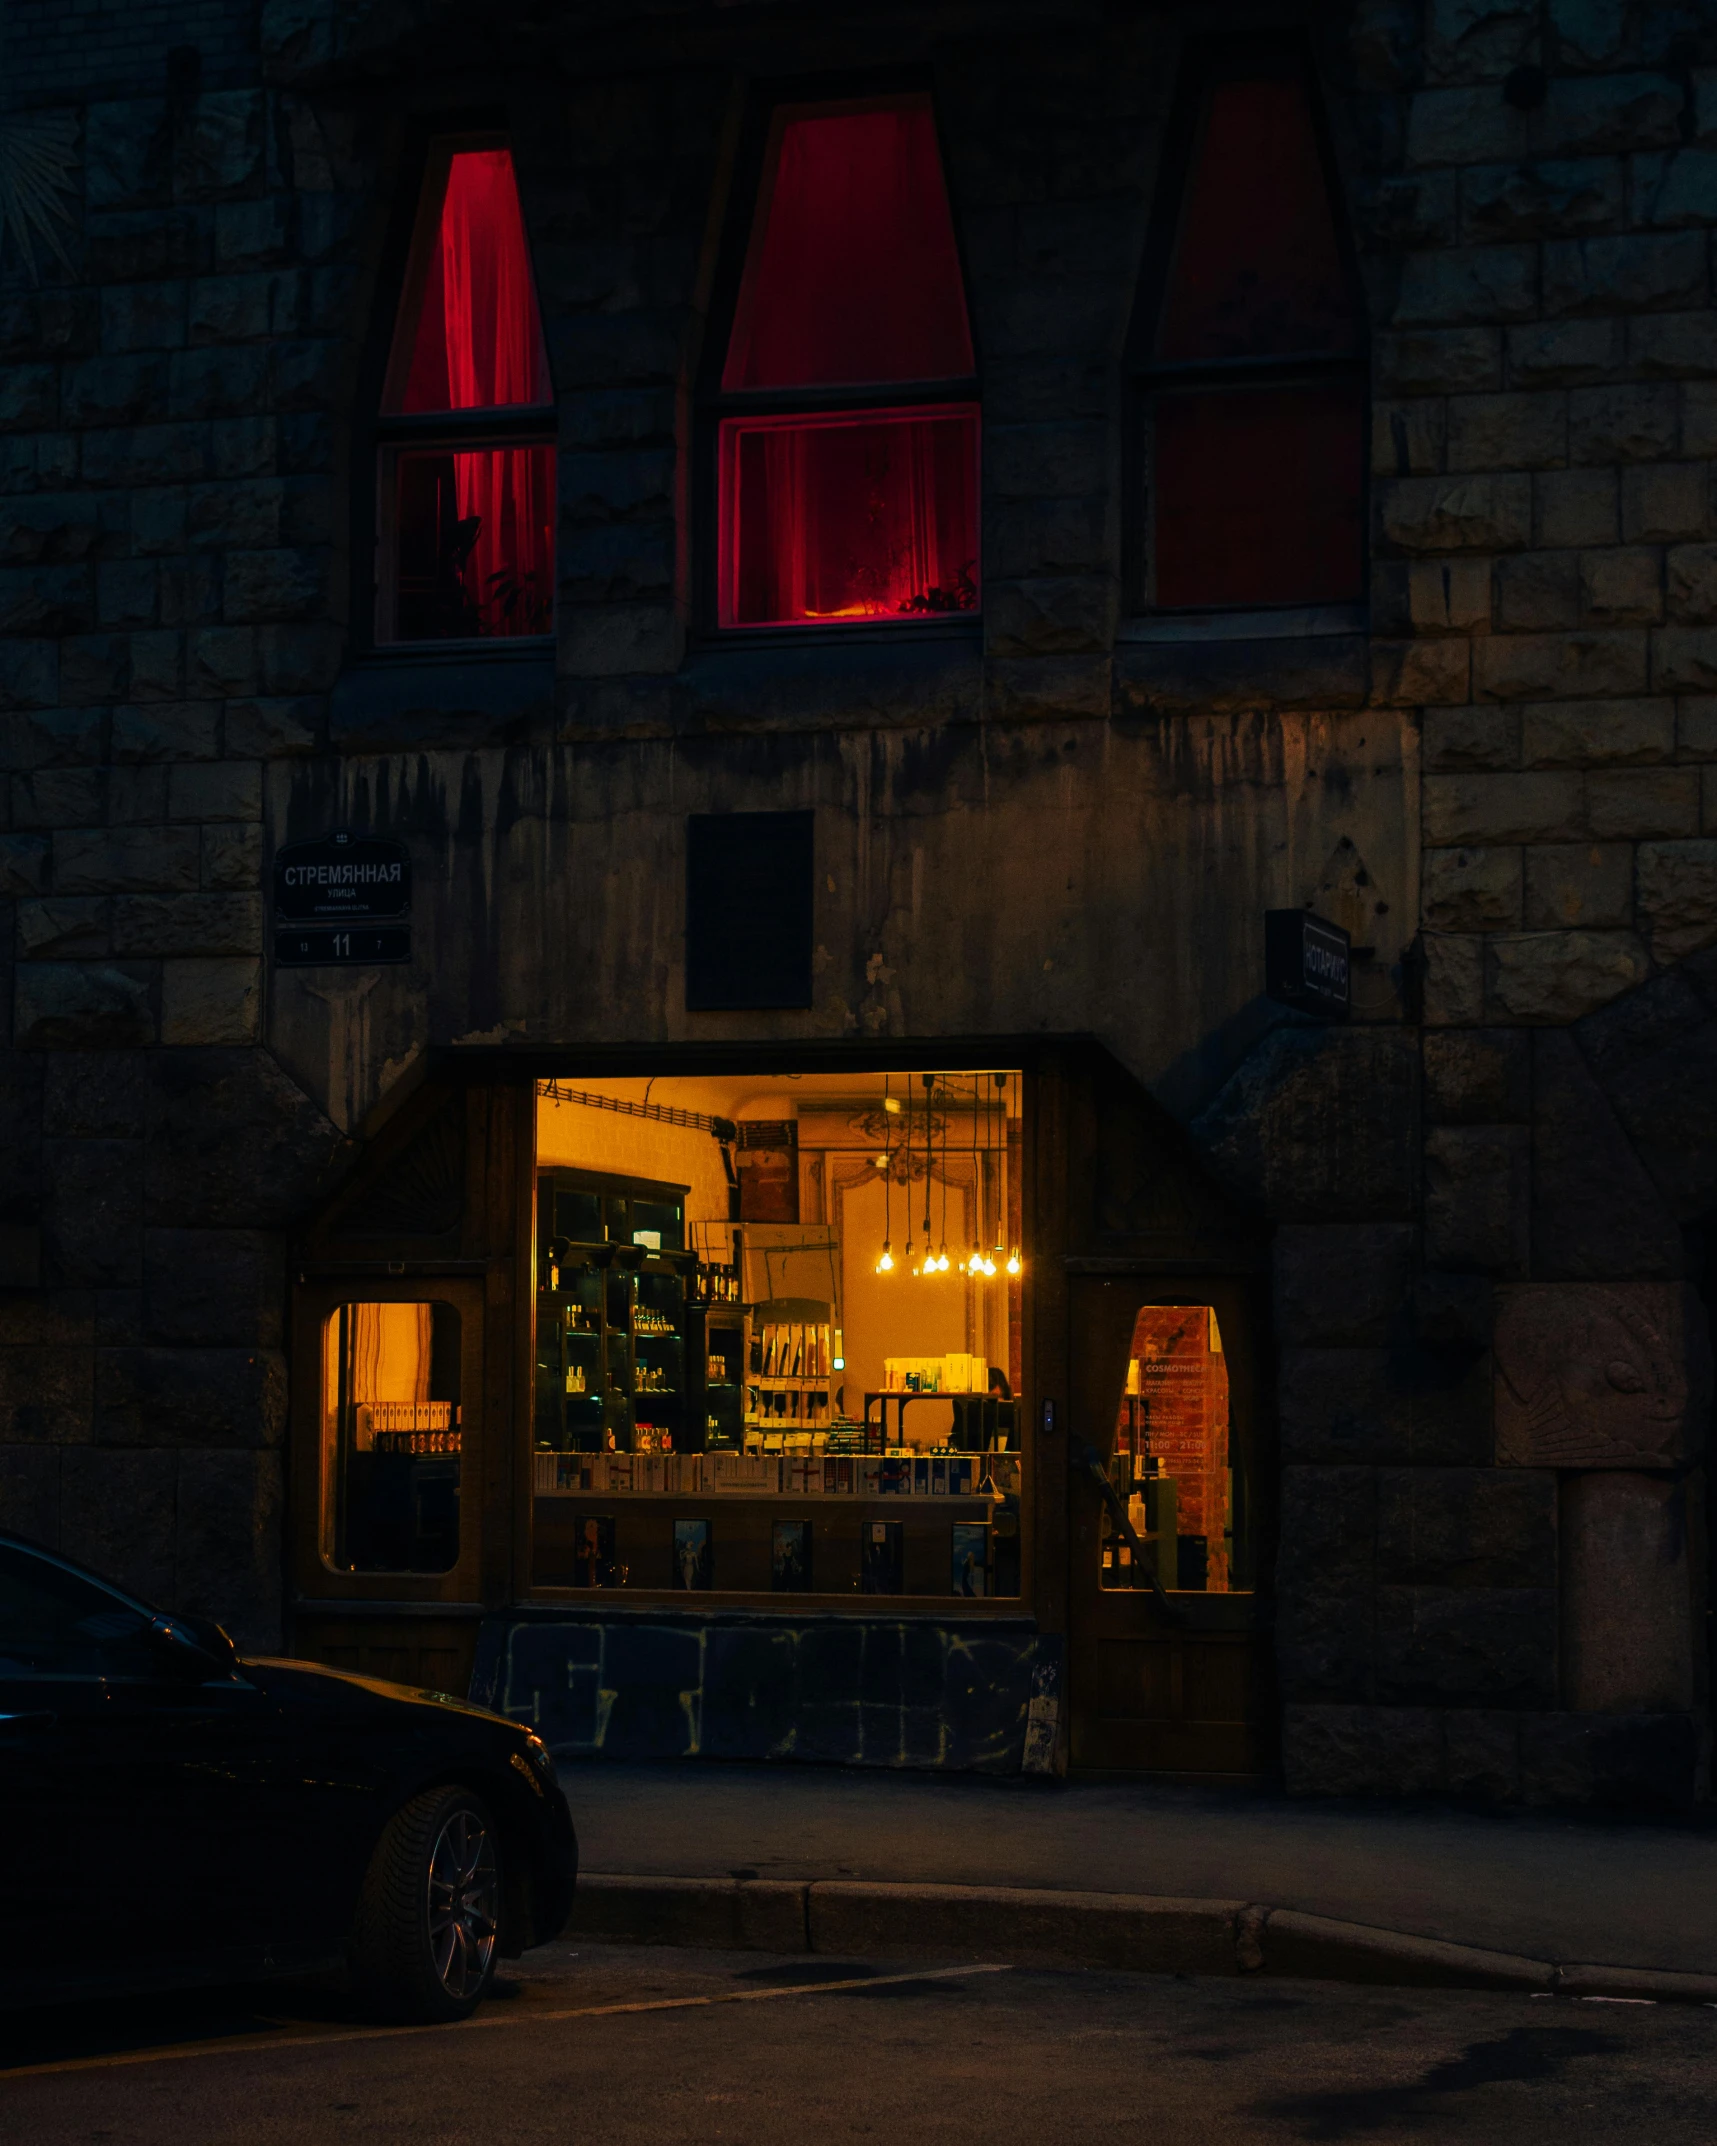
(389, 434)
(712, 403)
(324, 1285)
(1146, 375)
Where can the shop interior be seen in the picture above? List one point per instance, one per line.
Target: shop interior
(1172, 1500)
(791, 1305)
(776, 1350)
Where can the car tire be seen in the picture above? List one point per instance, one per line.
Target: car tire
(426, 1938)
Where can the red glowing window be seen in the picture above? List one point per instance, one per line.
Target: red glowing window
(1257, 270)
(1259, 494)
(830, 512)
(861, 516)
(1251, 390)
(475, 543)
(476, 341)
(852, 275)
(468, 504)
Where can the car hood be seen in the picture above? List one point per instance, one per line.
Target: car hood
(315, 1679)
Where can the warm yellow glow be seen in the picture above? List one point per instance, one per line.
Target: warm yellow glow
(1014, 1261)
(885, 1263)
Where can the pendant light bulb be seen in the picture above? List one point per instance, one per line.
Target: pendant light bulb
(1014, 1260)
(885, 1263)
(942, 1260)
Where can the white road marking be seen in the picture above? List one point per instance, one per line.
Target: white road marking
(247, 2044)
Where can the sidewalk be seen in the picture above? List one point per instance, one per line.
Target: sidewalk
(1547, 1887)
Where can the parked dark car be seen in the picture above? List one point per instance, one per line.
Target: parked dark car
(176, 1814)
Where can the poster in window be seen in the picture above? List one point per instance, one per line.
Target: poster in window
(970, 1575)
(790, 1557)
(694, 1557)
(593, 1550)
(881, 1561)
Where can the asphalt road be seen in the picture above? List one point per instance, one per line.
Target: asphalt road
(619, 2044)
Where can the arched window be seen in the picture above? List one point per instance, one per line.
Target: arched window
(1248, 365)
(847, 429)
(466, 477)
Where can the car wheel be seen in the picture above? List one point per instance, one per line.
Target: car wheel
(428, 1923)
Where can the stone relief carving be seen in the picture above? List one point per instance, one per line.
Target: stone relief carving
(1599, 1376)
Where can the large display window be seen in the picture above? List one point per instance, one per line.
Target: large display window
(777, 1336)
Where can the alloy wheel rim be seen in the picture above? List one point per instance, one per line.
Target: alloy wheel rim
(464, 1898)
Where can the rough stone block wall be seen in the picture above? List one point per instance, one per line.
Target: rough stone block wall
(1485, 1582)
(1543, 503)
(165, 575)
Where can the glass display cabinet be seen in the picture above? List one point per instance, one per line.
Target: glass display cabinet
(616, 1370)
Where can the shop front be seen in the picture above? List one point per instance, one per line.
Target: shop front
(879, 1413)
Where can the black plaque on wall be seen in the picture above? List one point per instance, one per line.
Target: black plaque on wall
(1306, 962)
(749, 906)
(342, 900)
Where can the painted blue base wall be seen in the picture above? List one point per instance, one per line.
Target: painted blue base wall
(856, 1691)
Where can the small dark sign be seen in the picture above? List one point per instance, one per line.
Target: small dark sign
(341, 899)
(1306, 962)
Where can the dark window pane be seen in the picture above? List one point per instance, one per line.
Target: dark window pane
(849, 518)
(475, 544)
(852, 273)
(1256, 268)
(1259, 496)
(748, 910)
(578, 1215)
(477, 341)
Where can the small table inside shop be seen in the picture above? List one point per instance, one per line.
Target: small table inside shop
(980, 1420)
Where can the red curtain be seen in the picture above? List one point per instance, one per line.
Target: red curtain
(852, 274)
(1259, 495)
(478, 343)
(475, 543)
(1257, 268)
(849, 518)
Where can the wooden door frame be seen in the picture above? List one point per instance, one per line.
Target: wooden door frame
(317, 1584)
(430, 1208)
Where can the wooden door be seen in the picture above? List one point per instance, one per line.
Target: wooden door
(1175, 1691)
(388, 1541)
(436, 1216)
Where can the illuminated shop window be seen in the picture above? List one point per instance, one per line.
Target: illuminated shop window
(1171, 1465)
(847, 451)
(467, 480)
(392, 1437)
(1249, 385)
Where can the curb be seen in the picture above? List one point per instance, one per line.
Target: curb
(1032, 1927)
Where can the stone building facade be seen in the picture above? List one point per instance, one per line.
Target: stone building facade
(1490, 1192)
